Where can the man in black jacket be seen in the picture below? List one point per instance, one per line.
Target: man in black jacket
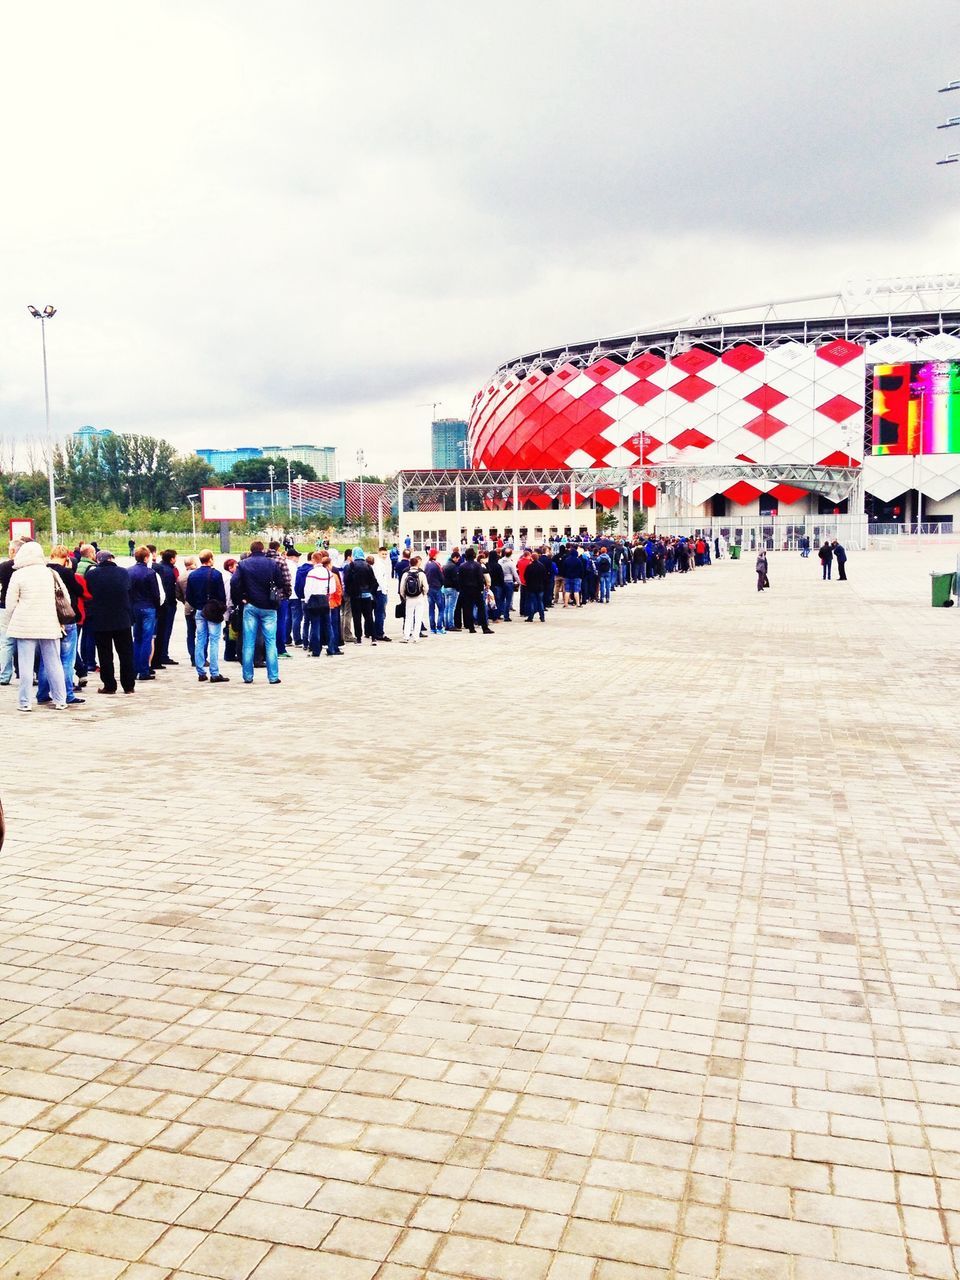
(167, 574)
(258, 585)
(207, 597)
(536, 584)
(472, 587)
(110, 617)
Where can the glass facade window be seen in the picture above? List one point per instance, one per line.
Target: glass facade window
(449, 444)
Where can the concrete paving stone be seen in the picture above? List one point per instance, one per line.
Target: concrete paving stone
(667, 988)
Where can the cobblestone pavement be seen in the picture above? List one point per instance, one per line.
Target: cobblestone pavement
(618, 948)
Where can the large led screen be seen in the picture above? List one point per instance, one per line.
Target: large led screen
(916, 408)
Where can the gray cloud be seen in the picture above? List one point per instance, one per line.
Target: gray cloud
(309, 219)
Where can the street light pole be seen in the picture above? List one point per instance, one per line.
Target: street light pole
(191, 498)
(300, 484)
(271, 472)
(43, 316)
(289, 494)
(360, 463)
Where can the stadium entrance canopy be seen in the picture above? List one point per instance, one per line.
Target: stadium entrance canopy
(439, 507)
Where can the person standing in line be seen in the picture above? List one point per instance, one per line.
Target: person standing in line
(233, 618)
(207, 598)
(434, 578)
(840, 555)
(536, 584)
(189, 564)
(604, 569)
(570, 568)
(495, 573)
(360, 586)
(383, 571)
(301, 631)
(34, 624)
(86, 644)
(145, 600)
(414, 592)
(278, 554)
(61, 563)
(762, 580)
(167, 573)
(318, 591)
(255, 584)
(451, 591)
(346, 613)
(294, 634)
(510, 581)
(336, 603)
(825, 555)
(472, 589)
(7, 643)
(110, 618)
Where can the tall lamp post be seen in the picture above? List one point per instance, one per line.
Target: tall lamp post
(361, 461)
(192, 498)
(271, 472)
(43, 316)
(300, 483)
(289, 494)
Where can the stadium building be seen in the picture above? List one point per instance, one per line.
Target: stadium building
(847, 404)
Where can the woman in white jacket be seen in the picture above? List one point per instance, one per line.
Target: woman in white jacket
(33, 623)
(413, 593)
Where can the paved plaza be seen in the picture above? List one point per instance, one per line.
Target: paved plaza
(619, 948)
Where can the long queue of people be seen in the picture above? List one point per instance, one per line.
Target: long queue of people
(75, 613)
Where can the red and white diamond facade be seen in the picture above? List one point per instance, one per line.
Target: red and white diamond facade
(788, 401)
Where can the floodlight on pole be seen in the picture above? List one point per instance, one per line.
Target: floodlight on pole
(289, 494)
(271, 472)
(361, 460)
(300, 483)
(43, 316)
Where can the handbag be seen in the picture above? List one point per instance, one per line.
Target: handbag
(400, 610)
(213, 610)
(65, 613)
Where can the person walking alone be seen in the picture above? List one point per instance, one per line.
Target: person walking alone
(762, 580)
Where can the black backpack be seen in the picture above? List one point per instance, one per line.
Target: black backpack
(413, 586)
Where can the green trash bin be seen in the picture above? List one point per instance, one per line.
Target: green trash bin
(734, 553)
(941, 589)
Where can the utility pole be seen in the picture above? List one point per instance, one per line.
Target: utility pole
(271, 472)
(43, 316)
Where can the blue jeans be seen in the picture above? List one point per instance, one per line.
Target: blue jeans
(436, 606)
(264, 622)
(450, 597)
(88, 649)
(508, 589)
(296, 621)
(7, 647)
(207, 631)
(144, 629)
(379, 613)
(320, 632)
(68, 656)
(534, 603)
(604, 588)
(283, 623)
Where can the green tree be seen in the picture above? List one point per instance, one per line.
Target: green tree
(190, 474)
(257, 471)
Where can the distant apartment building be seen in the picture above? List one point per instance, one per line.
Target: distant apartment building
(222, 460)
(323, 458)
(449, 444)
(84, 436)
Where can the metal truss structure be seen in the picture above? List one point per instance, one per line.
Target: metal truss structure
(409, 488)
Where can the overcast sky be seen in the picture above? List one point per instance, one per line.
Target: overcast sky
(299, 222)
